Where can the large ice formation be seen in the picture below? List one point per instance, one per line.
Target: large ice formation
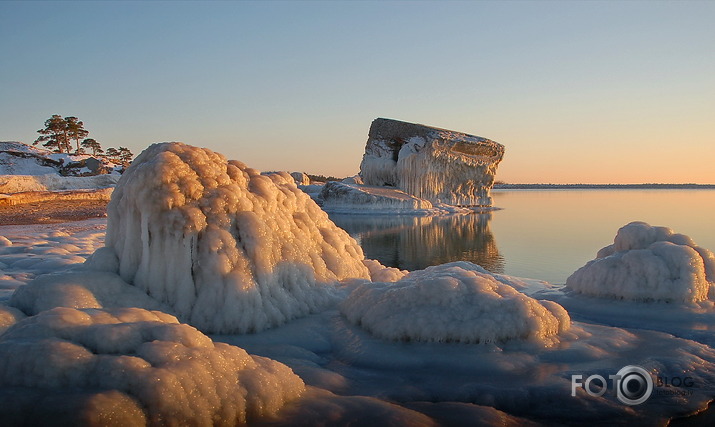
(439, 165)
(647, 263)
(455, 302)
(230, 250)
(131, 366)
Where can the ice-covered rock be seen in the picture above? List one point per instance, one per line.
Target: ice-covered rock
(132, 367)
(430, 163)
(355, 179)
(300, 178)
(230, 250)
(455, 302)
(351, 198)
(647, 263)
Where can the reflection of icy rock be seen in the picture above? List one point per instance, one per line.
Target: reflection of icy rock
(349, 198)
(452, 302)
(647, 263)
(132, 367)
(430, 163)
(417, 242)
(228, 249)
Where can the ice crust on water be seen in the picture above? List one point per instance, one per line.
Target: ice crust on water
(230, 250)
(133, 365)
(351, 198)
(455, 302)
(647, 263)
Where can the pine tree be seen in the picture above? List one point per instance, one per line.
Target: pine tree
(112, 154)
(92, 144)
(125, 156)
(55, 134)
(75, 130)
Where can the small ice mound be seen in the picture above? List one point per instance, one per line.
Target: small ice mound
(455, 302)
(380, 273)
(229, 249)
(647, 263)
(8, 317)
(80, 289)
(138, 366)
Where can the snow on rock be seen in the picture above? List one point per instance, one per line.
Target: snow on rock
(353, 180)
(647, 263)
(350, 198)
(429, 163)
(455, 302)
(230, 250)
(136, 366)
(17, 158)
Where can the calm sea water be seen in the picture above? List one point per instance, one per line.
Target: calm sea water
(544, 234)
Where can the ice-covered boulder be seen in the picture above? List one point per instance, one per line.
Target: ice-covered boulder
(647, 263)
(133, 367)
(230, 250)
(439, 165)
(355, 179)
(351, 198)
(300, 178)
(455, 302)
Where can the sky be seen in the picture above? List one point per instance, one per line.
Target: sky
(577, 92)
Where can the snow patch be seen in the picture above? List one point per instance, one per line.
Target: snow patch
(54, 182)
(455, 302)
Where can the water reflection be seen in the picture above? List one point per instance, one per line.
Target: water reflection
(413, 243)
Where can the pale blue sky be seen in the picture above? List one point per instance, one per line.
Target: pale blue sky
(576, 91)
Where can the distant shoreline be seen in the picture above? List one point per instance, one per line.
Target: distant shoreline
(604, 186)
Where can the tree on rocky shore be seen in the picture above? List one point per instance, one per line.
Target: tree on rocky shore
(92, 144)
(59, 132)
(76, 130)
(125, 156)
(55, 134)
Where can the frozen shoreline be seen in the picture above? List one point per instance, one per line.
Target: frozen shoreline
(341, 363)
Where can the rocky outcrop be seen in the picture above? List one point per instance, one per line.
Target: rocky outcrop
(438, 165)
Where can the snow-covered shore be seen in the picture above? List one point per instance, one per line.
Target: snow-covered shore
(351, 375)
